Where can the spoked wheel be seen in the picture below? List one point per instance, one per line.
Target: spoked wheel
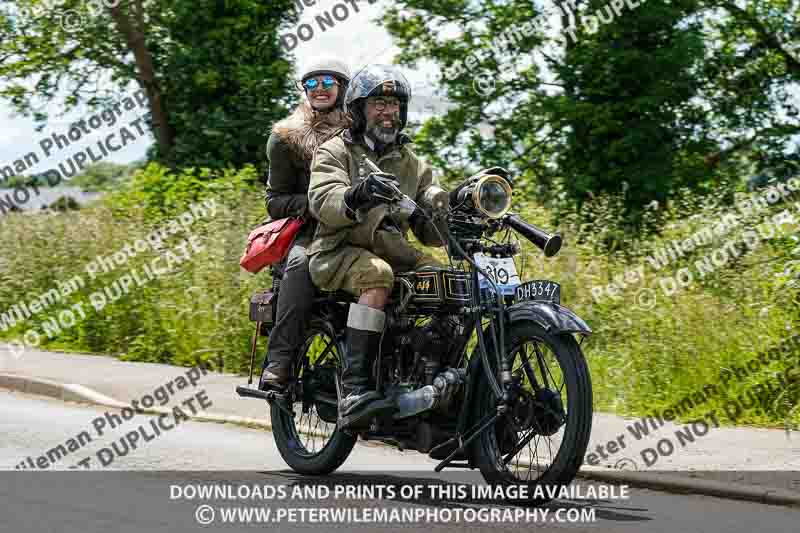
(310, 442)
(542, 439)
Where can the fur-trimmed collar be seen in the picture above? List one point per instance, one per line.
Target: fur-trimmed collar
(306, 129)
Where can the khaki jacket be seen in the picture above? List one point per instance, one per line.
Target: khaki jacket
(337, 165)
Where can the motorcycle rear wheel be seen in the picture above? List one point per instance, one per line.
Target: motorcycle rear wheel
(558, 410)
(310, 443)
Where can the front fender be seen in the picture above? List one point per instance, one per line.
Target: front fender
(554, 318)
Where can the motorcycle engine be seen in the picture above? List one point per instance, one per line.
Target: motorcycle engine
(431, 343)
(434, 385)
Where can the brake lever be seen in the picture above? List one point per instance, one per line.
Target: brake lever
(398, 194)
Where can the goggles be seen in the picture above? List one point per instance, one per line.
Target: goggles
(327, 83)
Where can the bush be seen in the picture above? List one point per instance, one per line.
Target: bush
(65, 203)
(198, 313)
(643, 358)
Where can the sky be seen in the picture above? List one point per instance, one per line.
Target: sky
(356, 39)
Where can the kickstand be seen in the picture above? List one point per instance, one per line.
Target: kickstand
(253, 348)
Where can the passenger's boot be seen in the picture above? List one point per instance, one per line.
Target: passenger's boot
(359, 404)
(276, 374)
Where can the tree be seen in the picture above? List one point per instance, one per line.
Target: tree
(213, 70)
(753, 74)
(631, 114)
(582, 98)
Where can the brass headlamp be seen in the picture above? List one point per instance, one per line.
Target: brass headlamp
(490, 195)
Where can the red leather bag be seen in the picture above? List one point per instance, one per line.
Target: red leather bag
(270, 243)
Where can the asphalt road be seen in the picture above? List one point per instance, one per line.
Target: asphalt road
(150, 488)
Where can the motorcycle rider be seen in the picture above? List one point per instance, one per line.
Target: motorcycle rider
(290, 150)
(358, 243)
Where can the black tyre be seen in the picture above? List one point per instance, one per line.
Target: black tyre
(310, 442)
(542, 440)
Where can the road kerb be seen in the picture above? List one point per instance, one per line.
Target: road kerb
(662, 482)
(692, 485)
(82, 394)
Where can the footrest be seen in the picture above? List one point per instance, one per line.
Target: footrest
(270, 395)
(365, 416)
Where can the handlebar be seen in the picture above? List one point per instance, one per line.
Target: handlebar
(550, 244)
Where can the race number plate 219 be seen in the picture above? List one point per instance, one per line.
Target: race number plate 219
(502, 271)
(540, 290)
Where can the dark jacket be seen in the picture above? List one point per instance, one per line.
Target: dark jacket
(287, 186)
(290, 149)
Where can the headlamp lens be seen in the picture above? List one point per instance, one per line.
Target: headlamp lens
(493, 196)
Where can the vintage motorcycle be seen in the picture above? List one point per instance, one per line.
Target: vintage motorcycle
(518, 407)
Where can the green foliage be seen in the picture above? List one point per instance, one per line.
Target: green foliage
(665, 96)
(197, 312)
(630, 109)
(65, 203)
(655, 342)
(225, 80)
(104, 176)
(22, 181)
(161, 192)
(213, 72)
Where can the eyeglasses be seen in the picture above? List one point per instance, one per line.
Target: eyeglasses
(327, 83)
(381, 104)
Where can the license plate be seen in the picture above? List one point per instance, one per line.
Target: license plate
(501, 270)
(540, 290)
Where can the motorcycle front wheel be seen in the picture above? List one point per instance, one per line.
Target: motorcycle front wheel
(310, 442)
(541, 441)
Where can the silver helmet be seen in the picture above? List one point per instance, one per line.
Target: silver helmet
(376, 80)
(328, 65)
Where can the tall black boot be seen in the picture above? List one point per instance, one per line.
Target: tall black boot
(359, 404)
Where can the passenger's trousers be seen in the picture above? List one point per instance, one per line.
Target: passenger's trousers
(295, 303)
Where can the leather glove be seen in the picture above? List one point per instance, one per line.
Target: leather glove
(378, 188)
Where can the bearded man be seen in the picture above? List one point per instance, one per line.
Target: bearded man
(359, 243)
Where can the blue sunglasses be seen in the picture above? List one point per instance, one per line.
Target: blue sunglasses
(327, 83)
